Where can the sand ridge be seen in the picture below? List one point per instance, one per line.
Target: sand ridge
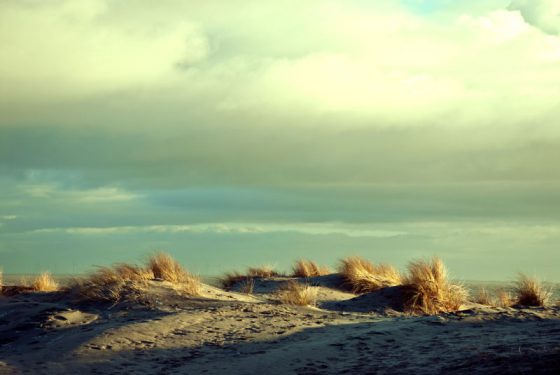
(221, 332)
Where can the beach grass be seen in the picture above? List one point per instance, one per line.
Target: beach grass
(483, 297)
(362, 276)
(295, 293)
(308, 268)
(121, 280)
(428, 289)
(530, 292)
(44, 283)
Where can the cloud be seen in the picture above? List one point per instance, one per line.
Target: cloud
(542, 14)
(55, 50)
(232, 228)
(178, 64)
(54, 192)
(146, 120)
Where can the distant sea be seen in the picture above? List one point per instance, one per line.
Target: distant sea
(474, 286)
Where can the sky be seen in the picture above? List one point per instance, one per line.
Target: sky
(234, 133)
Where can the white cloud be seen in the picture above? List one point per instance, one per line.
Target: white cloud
(89, 196)
(543, 14)
(238, 228)
(438, 232)
(105, 194)
(60, 49)
(379, 63)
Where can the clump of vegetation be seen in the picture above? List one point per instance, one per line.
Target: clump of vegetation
(247, 286)
(294, 293)
(428, 290)
(132, 272)
(113, 284)
(483, 297)
(307, 268)
(530, 292)
(262, 271)
(230, 279)
(44, 283)
(362, 276)
(164, 267)
(108, 285)
(503, 299)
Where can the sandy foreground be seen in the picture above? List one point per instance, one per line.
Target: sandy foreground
(165, 332)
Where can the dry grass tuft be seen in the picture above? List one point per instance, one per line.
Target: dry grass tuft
(132, 272)
(307, 268)
(262, 271)
(294, 293)
(122, 280)
(230, 279)
(362, 276)
(247, 286)
(164, 267)
(428, 290)
(483, 297)
(530, 292)
(44, 283)
(504, 299)
(106, 284)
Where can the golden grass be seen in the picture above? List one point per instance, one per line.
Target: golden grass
(122, 280)
(362, 276)
(44, 283)
(530, 292)
(307, 268)
(106, 284)
(428, 290)
(294, 293)
(164, 267)
(229, 279)
(503, 299)
(132, 272)
(262, 271)
(247, 286)
(483, 297)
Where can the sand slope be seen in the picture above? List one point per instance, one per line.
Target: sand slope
(231, 333)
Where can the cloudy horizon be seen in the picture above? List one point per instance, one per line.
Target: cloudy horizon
(235, 133)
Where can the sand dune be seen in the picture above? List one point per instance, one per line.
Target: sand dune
(221, 332)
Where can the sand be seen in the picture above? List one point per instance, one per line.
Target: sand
(220, 332)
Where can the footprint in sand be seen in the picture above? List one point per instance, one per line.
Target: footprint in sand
(69, 318)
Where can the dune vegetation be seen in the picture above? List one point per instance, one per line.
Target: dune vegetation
(428, 289)
(44, 283)
(247, 286)
(230, 279)
(530, 292)
(308, 268)
(295, 293)
(503, 299)
(164, 267)
(263, 271)
(483, 297)
(125, 280)
(424, 288)
(362, 276)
